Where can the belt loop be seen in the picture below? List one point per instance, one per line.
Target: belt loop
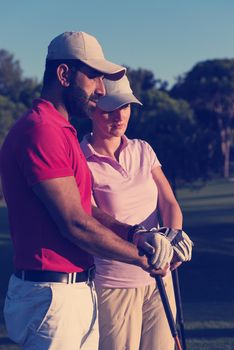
(69, 280)
(74, 277)
(23, 275)
(91, 274)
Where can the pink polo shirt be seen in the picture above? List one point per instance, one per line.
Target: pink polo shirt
(125, 190)
(42, 145)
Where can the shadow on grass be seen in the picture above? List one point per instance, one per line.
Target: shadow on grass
(6, 266)
(6, 341)
(210, 333)
(4, 227)
(6, 269)
(207, 197)
(209, 276)
(206, 280)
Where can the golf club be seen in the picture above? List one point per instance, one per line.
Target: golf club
(168, 311)
(180, 318)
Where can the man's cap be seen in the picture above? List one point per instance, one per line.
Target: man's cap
(118, 94)
(84, 47)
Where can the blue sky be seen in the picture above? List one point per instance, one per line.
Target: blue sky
(165, 36)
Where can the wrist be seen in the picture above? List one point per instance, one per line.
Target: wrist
(143, 262)
(133, 232)
(169, 231)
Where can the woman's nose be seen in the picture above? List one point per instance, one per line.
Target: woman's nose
(117, 115)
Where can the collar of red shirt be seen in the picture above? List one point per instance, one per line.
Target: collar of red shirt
(48, 108)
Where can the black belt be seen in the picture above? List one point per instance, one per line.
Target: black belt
(52, 276)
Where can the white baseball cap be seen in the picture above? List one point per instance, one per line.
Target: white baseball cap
(118, 94)
(84, 47)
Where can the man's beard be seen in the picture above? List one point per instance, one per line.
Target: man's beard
(76, 101)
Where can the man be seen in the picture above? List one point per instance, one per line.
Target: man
(51, 303)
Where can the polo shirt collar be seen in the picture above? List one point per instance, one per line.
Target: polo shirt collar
(58, 118)
(89, 151)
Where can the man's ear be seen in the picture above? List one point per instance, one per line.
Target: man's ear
(63, 75)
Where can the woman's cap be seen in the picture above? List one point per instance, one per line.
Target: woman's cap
(118, 94)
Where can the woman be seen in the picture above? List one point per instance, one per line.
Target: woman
(128, 184)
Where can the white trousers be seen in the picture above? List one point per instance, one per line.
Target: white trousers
(134, 318)
(54, 316)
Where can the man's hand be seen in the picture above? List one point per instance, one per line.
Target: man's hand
(180, 242)
(157, 248)
(175, 263)
(162, 272)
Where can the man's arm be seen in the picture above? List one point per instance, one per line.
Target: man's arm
(62, 199)
(120, 228)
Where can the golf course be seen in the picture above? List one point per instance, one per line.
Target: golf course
(207, 282)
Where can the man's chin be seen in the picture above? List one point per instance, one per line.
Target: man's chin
(90, 110)
(91, 106)
(83, 114)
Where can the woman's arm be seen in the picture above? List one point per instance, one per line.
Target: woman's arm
(168, 206)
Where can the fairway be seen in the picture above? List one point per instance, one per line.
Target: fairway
(207, 282)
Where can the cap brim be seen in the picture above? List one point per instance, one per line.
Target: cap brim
(112, 102)
(111, 70)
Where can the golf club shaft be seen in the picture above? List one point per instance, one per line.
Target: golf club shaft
(168, 311)
(178, 299)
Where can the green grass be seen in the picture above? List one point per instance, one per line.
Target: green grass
(207, 282)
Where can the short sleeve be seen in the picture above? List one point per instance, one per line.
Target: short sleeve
(151, 155)
(44, 154)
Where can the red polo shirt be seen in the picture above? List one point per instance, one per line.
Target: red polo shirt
(42, 145)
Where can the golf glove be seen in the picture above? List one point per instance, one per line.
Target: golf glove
(179, 240)
(156, 246)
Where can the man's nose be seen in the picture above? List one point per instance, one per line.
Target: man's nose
(100, 87)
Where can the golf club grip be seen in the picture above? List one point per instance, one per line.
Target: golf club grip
(166, 306)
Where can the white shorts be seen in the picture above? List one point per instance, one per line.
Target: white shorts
(55, 316)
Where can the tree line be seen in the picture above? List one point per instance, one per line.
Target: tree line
(190, 125)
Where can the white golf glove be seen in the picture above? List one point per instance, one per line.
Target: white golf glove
(157, 247)
(179, 240)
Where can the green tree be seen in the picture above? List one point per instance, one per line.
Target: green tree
(209, 88)
(30, 89)
(144, 85)
(171, 129)
(16, 92)
(10, 76)
(9, 112)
